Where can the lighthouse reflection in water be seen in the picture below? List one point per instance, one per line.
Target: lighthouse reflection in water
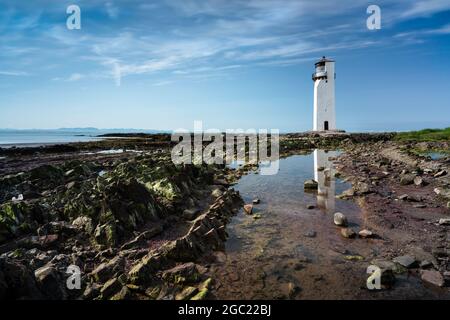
(324, 174)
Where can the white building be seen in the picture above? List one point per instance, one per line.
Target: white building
(324, 99)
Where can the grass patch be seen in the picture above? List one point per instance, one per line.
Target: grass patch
(425, 135)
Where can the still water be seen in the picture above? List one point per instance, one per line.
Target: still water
(292, 252)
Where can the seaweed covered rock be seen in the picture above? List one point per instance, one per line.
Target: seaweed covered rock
(19, 218)
(46, 174)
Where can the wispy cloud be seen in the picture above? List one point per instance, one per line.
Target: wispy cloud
(418, 35)
(112, 10)
(13, 73)
(162, 83)
(426, 8)
(75, 77)
(201, 37)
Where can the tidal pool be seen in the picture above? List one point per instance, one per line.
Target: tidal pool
(437, 155)
(291, 252)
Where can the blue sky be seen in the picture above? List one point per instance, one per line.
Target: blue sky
(232, 64)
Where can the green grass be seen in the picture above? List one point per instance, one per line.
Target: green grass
(425, 135)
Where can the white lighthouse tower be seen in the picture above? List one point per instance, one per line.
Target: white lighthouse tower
(324, 100)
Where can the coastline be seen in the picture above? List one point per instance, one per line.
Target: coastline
(141, 228)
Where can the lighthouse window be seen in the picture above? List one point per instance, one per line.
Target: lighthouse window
(320, 68)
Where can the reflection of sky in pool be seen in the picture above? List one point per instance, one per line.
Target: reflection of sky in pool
(436, 155)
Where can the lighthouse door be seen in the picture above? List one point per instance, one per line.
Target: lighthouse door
(325, 126)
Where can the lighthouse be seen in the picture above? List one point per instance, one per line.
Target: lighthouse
(324, 99)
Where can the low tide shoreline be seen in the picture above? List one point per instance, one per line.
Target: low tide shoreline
(141, 228)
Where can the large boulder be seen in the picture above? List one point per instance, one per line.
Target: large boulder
(46, 174)
(50, 282)
(406, 261)
(184, 273)
(107, 270)
(433, 277)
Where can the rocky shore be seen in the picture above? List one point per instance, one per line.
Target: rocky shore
(137, 226)
(405, 198)
(131, 221)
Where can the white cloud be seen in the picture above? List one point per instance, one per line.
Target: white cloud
(13, 73)
(112, 10)
(162, 83)
(75, 77)
(208, 37)
(426, 8)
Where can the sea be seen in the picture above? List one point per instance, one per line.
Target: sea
(34, 138)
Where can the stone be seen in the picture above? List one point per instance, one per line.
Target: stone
(444, 221)
(365, 233)
(41, 242)
(310, 185)
(190, 214)
(293, 290)
(406, 261)
(111, 287)
(406, 179)
(201, 295)
(361, 188)
(217, 193)
(46, 173)
(57, 227)
(49, 282)
(403, 197)
(311, 234)
(415, 198)
(425, 264)
(248, 208)
(340, 219)
(187, 293)
(387, 273)
(418, 181)
(123, 294)
(434, 277)
(106, 234)
(440, 174)
(84, 223)
(42, 273)
(347, 194)
(257, 216)
(153, 293)
(184, 273)
(152, 232)
(256, 201)
(446, 275)
(106, 270)
(354, 258)
(92, 291)
(348, 233)
(389, 265)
